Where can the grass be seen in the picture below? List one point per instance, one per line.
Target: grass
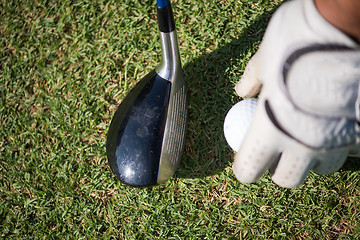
(65, 66)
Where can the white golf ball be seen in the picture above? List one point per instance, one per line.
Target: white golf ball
(237, 122)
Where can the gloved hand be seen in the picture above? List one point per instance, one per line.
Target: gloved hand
(308, 110)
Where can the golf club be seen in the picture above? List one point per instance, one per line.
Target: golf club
(146, 136)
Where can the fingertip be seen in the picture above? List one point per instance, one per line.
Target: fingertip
(253, 159)
(245, 173)
(331, 162)
(247, 88)
(292, 170)
(288, 183)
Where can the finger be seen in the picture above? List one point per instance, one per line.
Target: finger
(331, 161)
(249, 85)
(258, 151)
(293, 168)
(254, 158)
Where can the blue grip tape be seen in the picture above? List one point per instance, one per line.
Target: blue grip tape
(162, 3)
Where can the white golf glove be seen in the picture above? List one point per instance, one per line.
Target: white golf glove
(307, 115)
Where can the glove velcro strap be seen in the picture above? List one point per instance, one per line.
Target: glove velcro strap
(323, 80)
(312, 110)
(309, 49)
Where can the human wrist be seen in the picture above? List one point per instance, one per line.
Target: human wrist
(343, 14)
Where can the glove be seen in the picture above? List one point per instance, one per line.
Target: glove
(307, 115)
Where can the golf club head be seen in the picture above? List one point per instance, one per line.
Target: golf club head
(147, 133)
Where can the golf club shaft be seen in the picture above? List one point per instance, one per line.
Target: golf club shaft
(170, 60)
(165, 18)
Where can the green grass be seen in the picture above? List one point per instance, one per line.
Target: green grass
(64, 68)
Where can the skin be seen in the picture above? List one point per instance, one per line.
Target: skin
(343, 14)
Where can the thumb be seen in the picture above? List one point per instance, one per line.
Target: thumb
(249, 85)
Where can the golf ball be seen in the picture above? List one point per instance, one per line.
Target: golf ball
(237, 122)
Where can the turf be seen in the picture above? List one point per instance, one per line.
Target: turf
(64, 68)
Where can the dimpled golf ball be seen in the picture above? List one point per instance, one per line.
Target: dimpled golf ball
(237, 122)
